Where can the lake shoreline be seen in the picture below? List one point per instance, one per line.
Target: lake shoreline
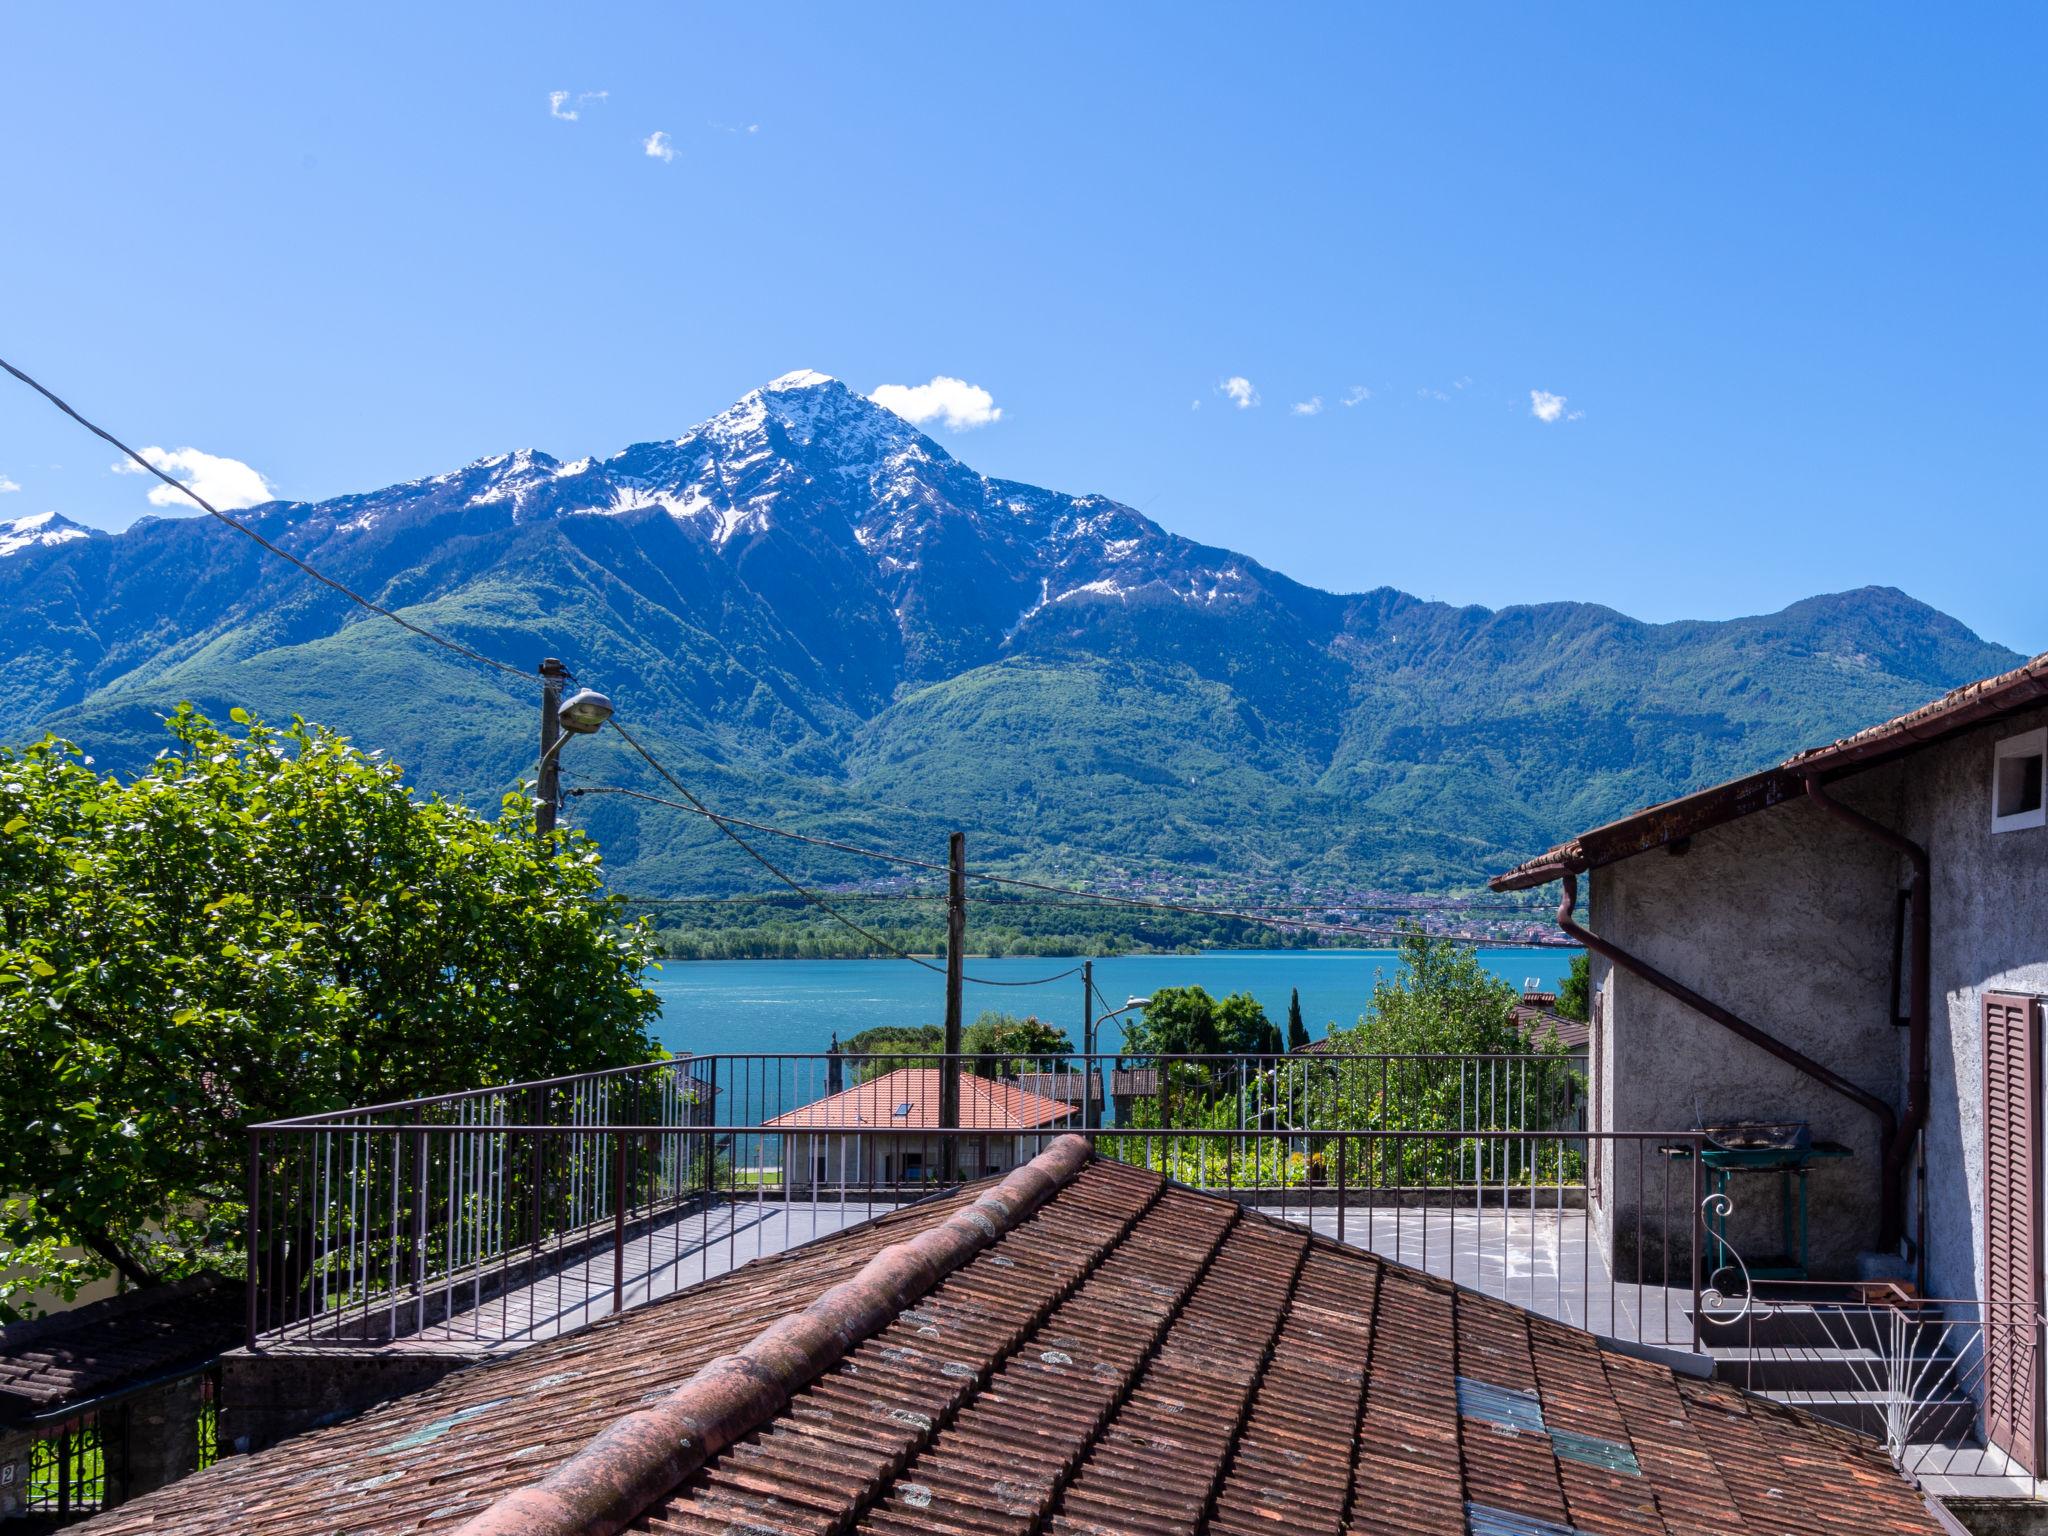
(737, 1007)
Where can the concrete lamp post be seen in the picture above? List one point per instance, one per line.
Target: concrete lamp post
(586, 711)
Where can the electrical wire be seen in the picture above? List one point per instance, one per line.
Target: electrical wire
(724, 823)
(243, 528)
(1078, 898)
(698, 807)
(808, 895)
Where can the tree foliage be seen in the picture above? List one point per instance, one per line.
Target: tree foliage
(1441, 1000)
(259, 925)
(1297, 1031)
(878, 1051)
(1004, 1045)
(1188, 1021)
(1574, 996)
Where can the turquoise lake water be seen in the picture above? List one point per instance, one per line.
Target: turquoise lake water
(738, 1006)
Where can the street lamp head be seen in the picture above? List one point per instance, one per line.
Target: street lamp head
(1137, 1002)
(584, 711)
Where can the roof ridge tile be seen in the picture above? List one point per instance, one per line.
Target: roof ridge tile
(640, 1457)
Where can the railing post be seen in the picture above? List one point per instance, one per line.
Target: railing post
(619, 1145)
(536, 1167)
(1699, 1231)
(255, 1234)
(956, 942)
(1341, 1185)
(419, 1230)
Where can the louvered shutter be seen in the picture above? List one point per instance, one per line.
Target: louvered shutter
(2012, 1229)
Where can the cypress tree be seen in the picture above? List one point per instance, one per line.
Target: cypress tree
(1297, 1032)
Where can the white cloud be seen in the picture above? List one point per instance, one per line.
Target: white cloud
(955, 403)
(227, 483)
(559, 108)
(1463, 382)
(1240, 391)
(7, 485)
(1426, 393)
(1357, 394)
(1546, 407)
(658, 147)
(1312, 406)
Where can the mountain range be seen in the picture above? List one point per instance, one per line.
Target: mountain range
(817, 615)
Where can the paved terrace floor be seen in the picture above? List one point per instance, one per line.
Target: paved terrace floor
(1539, 1260)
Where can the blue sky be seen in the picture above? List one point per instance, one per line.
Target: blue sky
(1783, 266)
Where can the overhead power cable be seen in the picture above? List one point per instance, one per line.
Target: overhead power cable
(698, 807)
(243, 528)
(1078, 898)
(795, 885)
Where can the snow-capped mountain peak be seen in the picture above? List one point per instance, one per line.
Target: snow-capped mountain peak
(40, 530)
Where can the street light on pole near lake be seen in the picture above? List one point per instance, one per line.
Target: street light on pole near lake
(1088, 1049)
(585, 711)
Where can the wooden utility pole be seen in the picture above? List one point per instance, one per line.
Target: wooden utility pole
(1087, 1045)
(549, 790)
(956, 956)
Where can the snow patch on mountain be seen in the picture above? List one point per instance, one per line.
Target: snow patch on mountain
(38, 530)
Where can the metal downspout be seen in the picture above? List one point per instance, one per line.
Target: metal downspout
(1918, 1032)
(1887, 1120)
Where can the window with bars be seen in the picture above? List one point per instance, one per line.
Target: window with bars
(68, 1468)
(207, 1426)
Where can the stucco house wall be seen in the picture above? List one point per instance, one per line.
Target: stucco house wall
(1784, 918)
(1989, 933)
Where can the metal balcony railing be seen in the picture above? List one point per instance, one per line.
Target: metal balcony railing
(515, 1212)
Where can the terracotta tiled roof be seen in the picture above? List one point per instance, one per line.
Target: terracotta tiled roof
(106, 1346)
(1133, 1357)
(908, 1099)
(1066, 1086)
(431, 1460)
(1960, 709)
(1124, 1083)
(1539, 1025)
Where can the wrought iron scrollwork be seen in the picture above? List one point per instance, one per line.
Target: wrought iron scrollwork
(1718, 1207)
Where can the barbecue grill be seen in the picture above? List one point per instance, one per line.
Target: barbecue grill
(1783, 1147)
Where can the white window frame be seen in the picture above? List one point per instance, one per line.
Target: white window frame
(2027, 744)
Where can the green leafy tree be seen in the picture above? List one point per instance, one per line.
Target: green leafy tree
(1574, 997)
(1438, 1012)
(1188, 1021)
(1297, 1032)
(258, 925)
(883, 1049)
(1002, 1045)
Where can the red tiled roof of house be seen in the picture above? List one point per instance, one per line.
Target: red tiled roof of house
(1126, 1356)
(67, 1358)
(1540, 1025)
(1067, 1085)
(908, 1099)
